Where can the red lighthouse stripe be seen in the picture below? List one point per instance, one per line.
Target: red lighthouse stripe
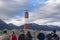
(25, 26)
(26, 14)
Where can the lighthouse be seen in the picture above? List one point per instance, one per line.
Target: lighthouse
(26, 16)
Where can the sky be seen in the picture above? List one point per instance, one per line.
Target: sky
(42, 12)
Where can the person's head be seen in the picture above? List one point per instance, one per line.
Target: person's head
(41, 31)
(28, 34)
(22, 31)
(13, 32)
(4, 32)
(54, 31)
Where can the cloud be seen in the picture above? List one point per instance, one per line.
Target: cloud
(9, 7)
(41, 21)
(54, 23)
(50, 12)
(1, 3)
(13, 8)
(40, 12)
(16, 21)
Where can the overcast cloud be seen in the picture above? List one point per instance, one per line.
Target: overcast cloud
(40, 11)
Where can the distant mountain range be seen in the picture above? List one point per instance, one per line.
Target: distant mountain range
(3, 25)
(42, 27)
(33, 26)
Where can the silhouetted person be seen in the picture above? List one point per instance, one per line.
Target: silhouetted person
(4, 36)
(22, 35)
(28, 36)
(48, 37)
(13, 36)
(52, 36)
(41, 35)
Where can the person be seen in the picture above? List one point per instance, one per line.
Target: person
(48, 37)
(41, 35)
(12, 36)
(22, 35)
(53, 36)
(28, 36)
(0, 37)
(4, 36)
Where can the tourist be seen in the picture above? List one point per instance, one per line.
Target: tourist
(52, 36)
(41, 35)
(48, 37)
(4, 36)
(22, 35)
(13, 36)
(28, 36)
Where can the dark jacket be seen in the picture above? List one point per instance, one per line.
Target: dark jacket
(54, 37)
(48, 37)
(28, 38)
(21, 37)
(41, 36)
